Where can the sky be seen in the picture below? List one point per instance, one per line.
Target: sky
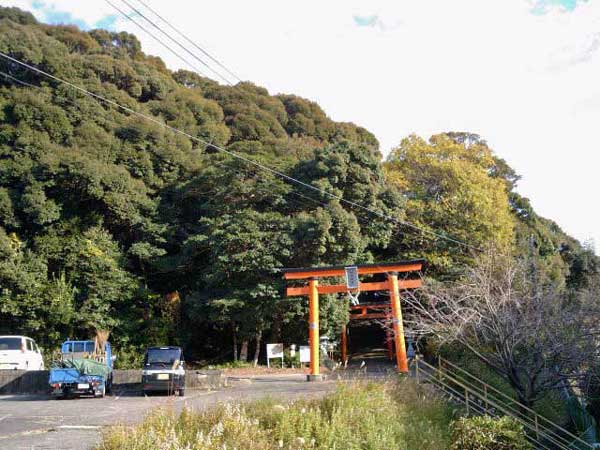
(523, 74)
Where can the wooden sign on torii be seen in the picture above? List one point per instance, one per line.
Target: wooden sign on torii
(392, 284)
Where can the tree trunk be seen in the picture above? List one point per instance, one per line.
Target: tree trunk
(235, 352)
(257, 349)
(244, 350)
(277, 326)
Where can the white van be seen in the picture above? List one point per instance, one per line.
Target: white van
(20, 352)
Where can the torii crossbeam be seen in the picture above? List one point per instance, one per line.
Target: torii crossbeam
(393, 285)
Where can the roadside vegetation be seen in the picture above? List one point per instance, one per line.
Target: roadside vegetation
(487, 433)
(398, 415)
(357, 416)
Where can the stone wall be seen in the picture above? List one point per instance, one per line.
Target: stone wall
(23, 381)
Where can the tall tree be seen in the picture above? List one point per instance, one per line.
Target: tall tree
(450, 190)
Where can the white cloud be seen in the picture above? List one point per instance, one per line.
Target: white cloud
(528, 83)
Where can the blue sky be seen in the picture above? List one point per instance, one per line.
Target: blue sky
(49, 13)
(521, 73)
(365, 21)
(544, 5)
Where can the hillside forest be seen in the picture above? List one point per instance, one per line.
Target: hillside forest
(109, 221)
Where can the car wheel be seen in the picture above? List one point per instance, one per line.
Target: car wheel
(102, 392)
(181, 392)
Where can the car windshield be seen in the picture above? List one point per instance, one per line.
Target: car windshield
(162, 355)
(78, 347)
(10, 343)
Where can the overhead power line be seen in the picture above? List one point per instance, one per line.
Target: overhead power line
(208, 55)
(276, 172)
(172, 39)
(155, 38)
(16, 80)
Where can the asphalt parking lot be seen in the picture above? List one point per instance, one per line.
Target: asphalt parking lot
(30, 422)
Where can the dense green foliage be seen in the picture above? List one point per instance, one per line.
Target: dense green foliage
(111, 221)
(453, 187)
(488, 433)
(357, 416)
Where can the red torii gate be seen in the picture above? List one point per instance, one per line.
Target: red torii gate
(392, 284)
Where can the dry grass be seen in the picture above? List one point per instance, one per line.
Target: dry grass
(393, 415)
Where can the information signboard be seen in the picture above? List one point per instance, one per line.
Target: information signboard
(304, 354)
(274, 351)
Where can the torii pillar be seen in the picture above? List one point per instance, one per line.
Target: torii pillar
(313, 330)
(397, 322)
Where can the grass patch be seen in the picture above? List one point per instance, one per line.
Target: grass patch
(231, 365)
(394, 415)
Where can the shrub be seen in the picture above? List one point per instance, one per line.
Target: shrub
(232, 365)
(128, 357)
(488, 433)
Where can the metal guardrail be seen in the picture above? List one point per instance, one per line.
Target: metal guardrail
(519, 409)
(481, 398)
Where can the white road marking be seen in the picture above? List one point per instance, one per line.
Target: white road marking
(4, 417)
(79, 427)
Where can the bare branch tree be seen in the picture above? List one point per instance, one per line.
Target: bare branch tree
(535, 337)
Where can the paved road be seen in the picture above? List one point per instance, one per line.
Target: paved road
(37, 422)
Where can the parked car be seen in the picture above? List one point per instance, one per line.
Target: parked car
(83, 369)
(164, 371)
(20, 352)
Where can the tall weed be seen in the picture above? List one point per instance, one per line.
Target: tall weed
(359, 415)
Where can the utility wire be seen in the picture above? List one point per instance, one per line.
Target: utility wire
(16, 80)
(154, 37)
(137, 11)
(215, 60)
(244, 158)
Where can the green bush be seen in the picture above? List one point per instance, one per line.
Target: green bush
(291, 361)
(128, 357)
(232, 365)
(488, 433)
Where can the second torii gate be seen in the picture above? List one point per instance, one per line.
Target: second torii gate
(393, 285)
